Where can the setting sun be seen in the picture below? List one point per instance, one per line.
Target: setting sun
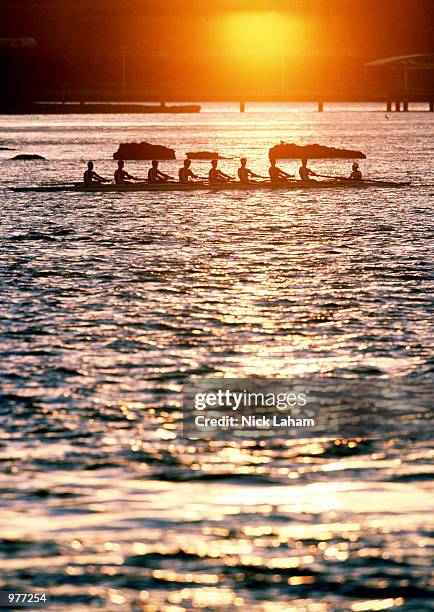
(255, 29)
(267, 32)
(262, 46)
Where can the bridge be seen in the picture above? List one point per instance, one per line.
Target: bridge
(397, 81)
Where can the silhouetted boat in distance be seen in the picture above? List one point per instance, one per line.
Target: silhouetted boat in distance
(80, 108)
(203, 186)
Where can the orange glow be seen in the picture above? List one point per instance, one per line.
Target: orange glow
(262, 47)
(266, 32)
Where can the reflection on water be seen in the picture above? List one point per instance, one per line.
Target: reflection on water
(110, 302)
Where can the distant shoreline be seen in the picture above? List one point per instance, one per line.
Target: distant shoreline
(79, 108)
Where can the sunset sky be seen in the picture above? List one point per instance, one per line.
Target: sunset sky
(211, 47)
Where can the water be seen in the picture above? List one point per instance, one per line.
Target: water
(109, 302)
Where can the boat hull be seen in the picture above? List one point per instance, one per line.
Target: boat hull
(235, 186)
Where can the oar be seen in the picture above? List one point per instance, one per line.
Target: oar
(57, 184)
(290, 177)
(339, 178)
(346, 178)
(175, 182)
(267, 178)
(226, 178)
(206, 178)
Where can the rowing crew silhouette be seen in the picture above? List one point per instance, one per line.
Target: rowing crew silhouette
(215, 175)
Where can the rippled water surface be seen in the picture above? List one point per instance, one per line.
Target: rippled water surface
(110, 302)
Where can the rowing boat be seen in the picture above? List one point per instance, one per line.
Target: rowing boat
(202, 186)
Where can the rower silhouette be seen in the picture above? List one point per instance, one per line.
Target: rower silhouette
(92, 178)
(155, 175)
(216, 176)
(276, 174)
(121, 175)
(244, 173)
(185, 174)
(305, 172)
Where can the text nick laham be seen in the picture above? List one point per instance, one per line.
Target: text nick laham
(253, 421)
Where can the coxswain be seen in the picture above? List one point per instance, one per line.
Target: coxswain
(356, 174)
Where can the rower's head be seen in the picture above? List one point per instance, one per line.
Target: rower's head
(121, 163)
(155, 163)
(304, 162)
(243, 161)
(214, 163)
(90, 165)
(187, 163)
(355, 166)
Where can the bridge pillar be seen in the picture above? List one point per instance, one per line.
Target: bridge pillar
(431, 106)
(397, 106)
(388, 106)
(320, 106)
(242, 107)
(405, 106)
